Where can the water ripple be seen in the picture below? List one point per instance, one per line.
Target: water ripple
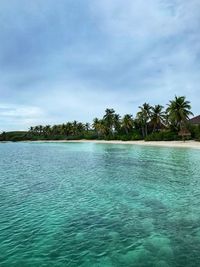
(99, 205)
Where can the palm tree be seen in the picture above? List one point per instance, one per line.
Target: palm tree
(127, 123)
(40, 129)
(116, 123)
(47, 130)
(95, 124)
(32, 130)
(108, 119)
(68, 128)
(87, 127)
(143, 117)
(74, 127)
(99, 127)
(36, 129)
(178, 112)
(157, 117)
(55, 130)
(63, 129)
(80, 128)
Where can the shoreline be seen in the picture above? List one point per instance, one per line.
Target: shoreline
(176, 144)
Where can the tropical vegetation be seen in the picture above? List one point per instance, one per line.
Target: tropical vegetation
(150, 123)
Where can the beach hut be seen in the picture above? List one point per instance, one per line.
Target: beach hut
(195, 120)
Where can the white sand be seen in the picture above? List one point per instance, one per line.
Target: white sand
(186, 144)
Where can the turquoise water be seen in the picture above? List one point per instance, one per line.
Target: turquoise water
(99, 205)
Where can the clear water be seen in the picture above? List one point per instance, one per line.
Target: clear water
(99, 205)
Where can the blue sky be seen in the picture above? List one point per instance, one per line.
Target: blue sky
(64, 60)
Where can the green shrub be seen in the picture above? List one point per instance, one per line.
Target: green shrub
(90, 136)
(136, 136)
(13, 136)
(163, 136)
(195, 131)
(124, 138)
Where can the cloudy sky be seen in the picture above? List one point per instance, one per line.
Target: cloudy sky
(64, 60)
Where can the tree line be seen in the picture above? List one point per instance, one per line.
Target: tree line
(150, 123)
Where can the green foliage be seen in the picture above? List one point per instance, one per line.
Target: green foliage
(136, 136)
(152, 123)
(143, 118)
(178, 112)
(163, 136)
(195, 131)
(157, 117)
(13, 136)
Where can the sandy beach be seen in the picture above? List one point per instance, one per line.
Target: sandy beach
(178, 144)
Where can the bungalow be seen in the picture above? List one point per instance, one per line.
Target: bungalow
(195, 120)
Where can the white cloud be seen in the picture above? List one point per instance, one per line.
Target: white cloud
(20, 116)
(75, 62)
(146, 19)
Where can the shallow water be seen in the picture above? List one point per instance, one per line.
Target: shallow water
(86, 204)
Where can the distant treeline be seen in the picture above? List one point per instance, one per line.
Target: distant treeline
(150, 123)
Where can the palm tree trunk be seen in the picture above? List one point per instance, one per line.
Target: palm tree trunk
(143, 133)
(146, 130)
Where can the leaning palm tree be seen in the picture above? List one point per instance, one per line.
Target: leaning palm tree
(157, 117)
(127, 123)
(143, 117)
(178, 112)
(109, 119)
(95, 124)
(99, 127)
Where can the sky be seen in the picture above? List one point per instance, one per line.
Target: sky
(69, 60)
